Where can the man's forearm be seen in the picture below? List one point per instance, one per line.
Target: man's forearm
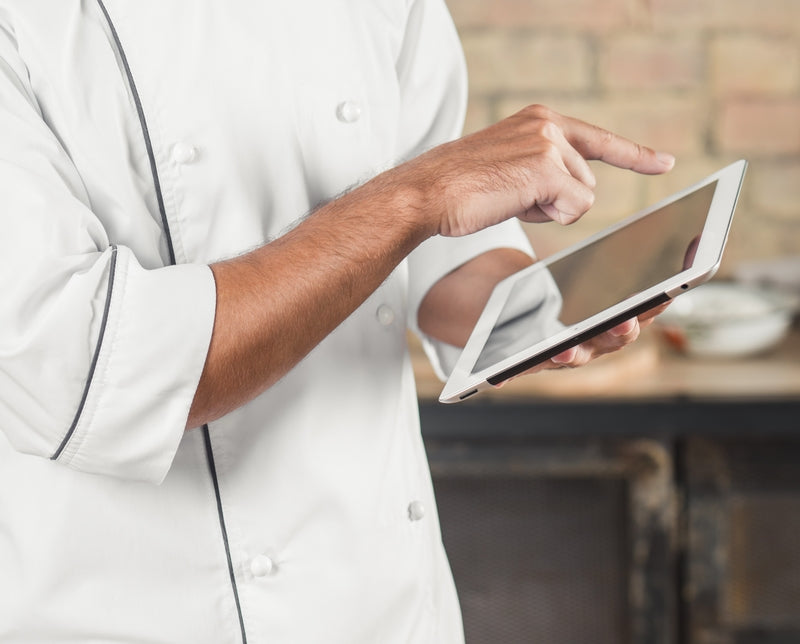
(279, 301)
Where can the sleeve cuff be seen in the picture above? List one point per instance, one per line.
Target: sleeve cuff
(152, 355)
(439, 256)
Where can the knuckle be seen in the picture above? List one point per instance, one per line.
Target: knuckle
(538, 111)
(606, 137)
(549, 129)
(543, 122)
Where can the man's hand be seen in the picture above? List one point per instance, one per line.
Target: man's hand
(452, 306)
(532, 165)
(608, 342)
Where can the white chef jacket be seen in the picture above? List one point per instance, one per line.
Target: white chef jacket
(139, 142)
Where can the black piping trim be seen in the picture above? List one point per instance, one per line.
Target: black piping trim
(160, 197)
(213, 469)
(145, 131)
(109, 290)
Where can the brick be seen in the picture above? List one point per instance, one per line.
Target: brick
(617, 195)
(675, 124)
(687, 170)
(499, 61)
(772, 16)
(479, 115)
(774, 190)
(639, 61)
(748, 64)
(583, 15)
(759, 127)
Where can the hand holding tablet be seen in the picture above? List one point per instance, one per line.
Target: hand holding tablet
(619, 273)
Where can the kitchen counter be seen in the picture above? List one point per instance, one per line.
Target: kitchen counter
(645, 389)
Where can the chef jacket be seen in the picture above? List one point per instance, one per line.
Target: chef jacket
(139, 142)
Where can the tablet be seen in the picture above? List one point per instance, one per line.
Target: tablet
(637, 264)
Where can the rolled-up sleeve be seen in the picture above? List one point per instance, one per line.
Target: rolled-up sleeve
(99, 357)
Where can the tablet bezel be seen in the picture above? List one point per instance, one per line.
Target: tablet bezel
(463, 384)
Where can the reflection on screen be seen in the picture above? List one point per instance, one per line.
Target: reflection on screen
(597, 276)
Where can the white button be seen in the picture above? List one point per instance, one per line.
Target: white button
(261, 566)
(348, 112)
(385, 315)
(183, 153)
(416, 511)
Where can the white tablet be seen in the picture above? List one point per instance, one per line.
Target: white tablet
(622, 271)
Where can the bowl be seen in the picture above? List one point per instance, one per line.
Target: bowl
(728, 319)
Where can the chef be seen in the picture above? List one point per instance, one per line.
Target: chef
(218, 221)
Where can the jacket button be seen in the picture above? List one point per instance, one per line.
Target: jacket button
(261, 566)
(385, 315)
(416, 511)
(348, 112)
(183, 153)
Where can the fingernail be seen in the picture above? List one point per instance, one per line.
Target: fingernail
(666, 159)
(623, 329)
(565, 357)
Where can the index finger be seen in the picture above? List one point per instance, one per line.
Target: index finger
(599, 144)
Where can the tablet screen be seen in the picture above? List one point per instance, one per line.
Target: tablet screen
(597, 276)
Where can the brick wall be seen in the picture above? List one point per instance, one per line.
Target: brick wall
(709, 80)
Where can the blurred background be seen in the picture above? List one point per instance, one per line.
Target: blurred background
(710, 81)
(652, 497)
